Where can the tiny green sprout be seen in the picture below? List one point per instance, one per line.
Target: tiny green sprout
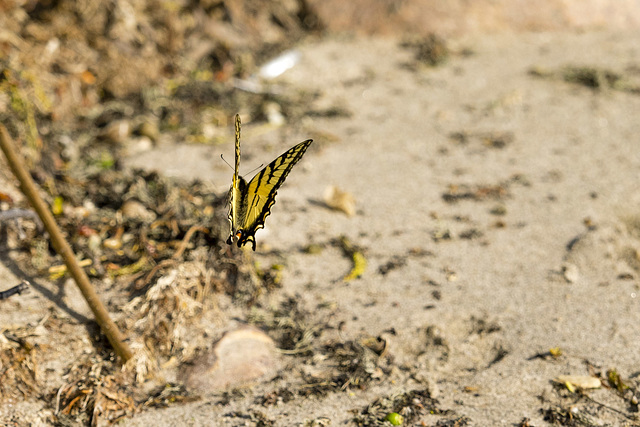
(106, 161)
(395, 419)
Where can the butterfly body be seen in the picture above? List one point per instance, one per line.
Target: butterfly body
(250, 202)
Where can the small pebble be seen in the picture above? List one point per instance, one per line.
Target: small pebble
(274, 114)
(117, 131)
(138, 145)
(570, 272)
(133, 209)
(240, 357)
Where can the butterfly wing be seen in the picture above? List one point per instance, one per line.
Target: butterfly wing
(260, 194)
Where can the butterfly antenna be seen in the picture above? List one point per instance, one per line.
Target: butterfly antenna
(222, 157)
(259, 167)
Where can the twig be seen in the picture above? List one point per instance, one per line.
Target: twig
(61, 246)
(154, 270)
(18, 289)
(185, 240)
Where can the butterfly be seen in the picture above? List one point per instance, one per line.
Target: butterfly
(250, 203)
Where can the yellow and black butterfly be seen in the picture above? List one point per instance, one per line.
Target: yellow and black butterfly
(250, 203)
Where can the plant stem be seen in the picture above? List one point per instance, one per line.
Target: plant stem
(61, 246)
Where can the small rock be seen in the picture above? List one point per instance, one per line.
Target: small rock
(94, 244)
(117, 131)
(241, 356)
(274, 114)
(139, 145)
(133, 209)
(70, 151)
(570, 272)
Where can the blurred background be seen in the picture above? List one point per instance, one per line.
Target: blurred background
(70, 57)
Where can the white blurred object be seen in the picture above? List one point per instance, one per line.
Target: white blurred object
(279, 64)
(270, 70)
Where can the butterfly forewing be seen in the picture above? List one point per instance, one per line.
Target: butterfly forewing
(262, 189)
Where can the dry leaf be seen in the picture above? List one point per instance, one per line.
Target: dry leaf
(581, 381)
(340, 200)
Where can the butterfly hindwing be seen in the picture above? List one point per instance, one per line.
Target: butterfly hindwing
(250, 203)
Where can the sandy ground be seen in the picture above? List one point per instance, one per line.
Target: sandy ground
(537, 247)
(551, 262)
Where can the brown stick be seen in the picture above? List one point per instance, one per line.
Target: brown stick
(62, 247)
